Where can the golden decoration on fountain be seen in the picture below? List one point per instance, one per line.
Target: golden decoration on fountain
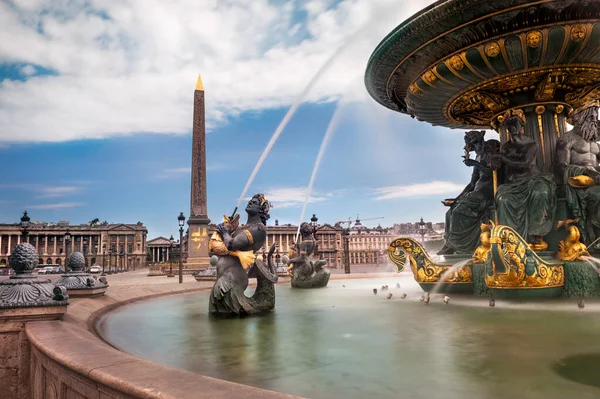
(424, 269)
(481, 253)
(457, 63)
(571, 248)
(581, 181)
(492, 49)
(429, 77)
(523, 268)
(534, 38)
(578, 33)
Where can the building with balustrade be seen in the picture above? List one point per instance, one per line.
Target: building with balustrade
(118, 245)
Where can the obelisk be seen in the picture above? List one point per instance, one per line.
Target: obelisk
(198, 221)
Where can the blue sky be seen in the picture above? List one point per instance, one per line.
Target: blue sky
(96, 106)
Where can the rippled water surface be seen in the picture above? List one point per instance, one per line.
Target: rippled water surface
(345, 342)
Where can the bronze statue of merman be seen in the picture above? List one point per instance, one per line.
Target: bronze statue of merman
(305, 272)
(236, 246)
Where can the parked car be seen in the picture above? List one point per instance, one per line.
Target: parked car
(95, 269)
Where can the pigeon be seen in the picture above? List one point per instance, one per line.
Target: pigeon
(397, 285)
(403, 296)
(581, 304)
(492, 302)
(426, 299)
(375, 291)
(389, 295)
(446, 299)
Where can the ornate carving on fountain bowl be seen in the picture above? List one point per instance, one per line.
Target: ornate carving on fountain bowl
(78, 282)
(514, 265)
(424, 269)
(24, 290)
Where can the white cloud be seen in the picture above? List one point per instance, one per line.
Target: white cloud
(56, 191)
(134, 70)
(293, 197)
(418, 190)
(44, 191)
(28, 70)
(59, 205)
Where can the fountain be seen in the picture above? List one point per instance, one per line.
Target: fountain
(235, 248)
(523, 69)
(469, 64)
(304, 270)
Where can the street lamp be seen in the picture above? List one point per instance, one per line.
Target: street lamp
(422, 231)
(347, 250)
(24, 225)
(313, 223)
(110, 264)
(67, 238)
(171, 257)
(103, 259)
(181, 220)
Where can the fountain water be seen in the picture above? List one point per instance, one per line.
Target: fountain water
(593, 262)
(444, 276)
(328, 134)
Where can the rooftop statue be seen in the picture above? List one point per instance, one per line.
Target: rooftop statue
(472, 207)
(526, 201)
(577, 159)
(305, 271)
(236, 246)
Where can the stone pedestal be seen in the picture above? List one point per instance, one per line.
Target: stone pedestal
(23, 298)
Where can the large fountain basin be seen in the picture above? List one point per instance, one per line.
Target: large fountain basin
(344, 342)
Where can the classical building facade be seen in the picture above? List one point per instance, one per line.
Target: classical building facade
(121, 245)
(162, 250)
(369, 246)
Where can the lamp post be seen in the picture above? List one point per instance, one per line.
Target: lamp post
(95, 254)
(103, 259)
(422, 231)
(171, 257)
(181, 220)
(67, 239)
(347, 251)
(313, 222)
(110, 262)
(24, 225)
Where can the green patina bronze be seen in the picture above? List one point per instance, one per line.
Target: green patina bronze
(523, 68)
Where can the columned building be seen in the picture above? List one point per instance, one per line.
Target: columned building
(162, 250)
(122, 245)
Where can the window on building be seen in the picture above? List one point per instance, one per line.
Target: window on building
(130, 248)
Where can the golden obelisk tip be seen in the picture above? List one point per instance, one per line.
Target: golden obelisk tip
(199, 85)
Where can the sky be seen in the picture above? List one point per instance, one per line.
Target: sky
(96, 102)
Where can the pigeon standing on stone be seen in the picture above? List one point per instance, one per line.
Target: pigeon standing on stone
(375, 291)
(397, 285)
(581, 304)
(389, 295)
(446, 299)
(492, 302)
(403, 296)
